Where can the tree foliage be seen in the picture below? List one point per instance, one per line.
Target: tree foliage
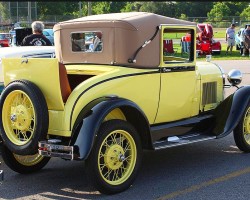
(246, 14)
(4, 14)
(218, 12)
(215, 11)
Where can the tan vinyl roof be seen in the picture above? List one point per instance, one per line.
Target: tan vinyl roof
(123, 34)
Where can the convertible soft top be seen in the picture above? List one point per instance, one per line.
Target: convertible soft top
(123, 34)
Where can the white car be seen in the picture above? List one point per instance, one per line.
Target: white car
(239, 40)
(25, 52)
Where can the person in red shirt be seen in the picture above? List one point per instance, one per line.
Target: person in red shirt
(37, 38)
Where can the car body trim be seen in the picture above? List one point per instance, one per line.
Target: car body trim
(177, 69)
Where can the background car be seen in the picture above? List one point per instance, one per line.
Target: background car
(49, 34)
(239, 39)
(4, 39)
(25, 52)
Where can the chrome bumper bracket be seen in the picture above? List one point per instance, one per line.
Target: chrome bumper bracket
(55, 150)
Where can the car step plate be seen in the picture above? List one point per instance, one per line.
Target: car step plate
(181, 140)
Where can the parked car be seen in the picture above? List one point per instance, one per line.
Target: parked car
(108, 105)
(4, 39)
(239, 37)
(205, 43)
(24, 52)
(49, 34)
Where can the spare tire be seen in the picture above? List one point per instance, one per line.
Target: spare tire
(24, 117)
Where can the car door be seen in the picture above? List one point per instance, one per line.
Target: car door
(179, 97)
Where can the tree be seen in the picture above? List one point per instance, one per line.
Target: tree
(183, 17)
(192, 9)
(245, 15)
(4, 14)
(132, 6)
(101, 7)
(218, 11)
(236, 8)
(63, 9)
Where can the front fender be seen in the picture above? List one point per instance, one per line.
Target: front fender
(91, 118)
(230, 111)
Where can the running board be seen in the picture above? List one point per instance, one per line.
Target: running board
(181, 140)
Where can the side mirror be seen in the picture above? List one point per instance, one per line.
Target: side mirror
(234, 77)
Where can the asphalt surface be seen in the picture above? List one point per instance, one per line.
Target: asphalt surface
(215, 169)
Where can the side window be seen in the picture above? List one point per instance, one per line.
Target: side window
(87, 41)
(178, 45)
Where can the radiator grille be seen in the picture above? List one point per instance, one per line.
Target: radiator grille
(209, 94)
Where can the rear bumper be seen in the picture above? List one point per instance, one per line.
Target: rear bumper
(52, 149)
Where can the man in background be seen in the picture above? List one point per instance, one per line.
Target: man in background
(37, 38)
(230, 38)
(246, 40)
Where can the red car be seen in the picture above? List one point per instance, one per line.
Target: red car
(205, 44)
(4, 39)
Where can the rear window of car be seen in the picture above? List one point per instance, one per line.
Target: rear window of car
(87, 41)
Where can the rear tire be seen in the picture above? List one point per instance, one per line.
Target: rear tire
(115, 158)
(242, 132)
(23, 164)
(24, 117)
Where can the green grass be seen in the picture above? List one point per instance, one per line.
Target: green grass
(220, 32)
(235, 54)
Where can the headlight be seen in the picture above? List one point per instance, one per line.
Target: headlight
(234, 77)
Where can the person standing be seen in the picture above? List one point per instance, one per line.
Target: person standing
(230, 38)
(37, 38)
(246, 41)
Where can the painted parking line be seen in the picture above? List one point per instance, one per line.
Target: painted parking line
(205, 184)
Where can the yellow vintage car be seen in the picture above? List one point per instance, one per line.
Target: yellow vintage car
(120, 84)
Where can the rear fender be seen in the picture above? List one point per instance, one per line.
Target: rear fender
(230, 111)
(90, 120)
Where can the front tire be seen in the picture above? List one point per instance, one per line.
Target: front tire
(242, 132)
(115, 158)
(23, 164)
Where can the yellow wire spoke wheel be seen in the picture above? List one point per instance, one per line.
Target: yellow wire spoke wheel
(117, 157)
(28, 160)
(23, 164)
(246, 126)
(18, 117)
(242, 132)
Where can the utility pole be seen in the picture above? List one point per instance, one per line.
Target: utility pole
(89, 8)
(35, 10)
(80, 9)
(29, 12)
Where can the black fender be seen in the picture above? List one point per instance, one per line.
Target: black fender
(230, 111)
(90, 120)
